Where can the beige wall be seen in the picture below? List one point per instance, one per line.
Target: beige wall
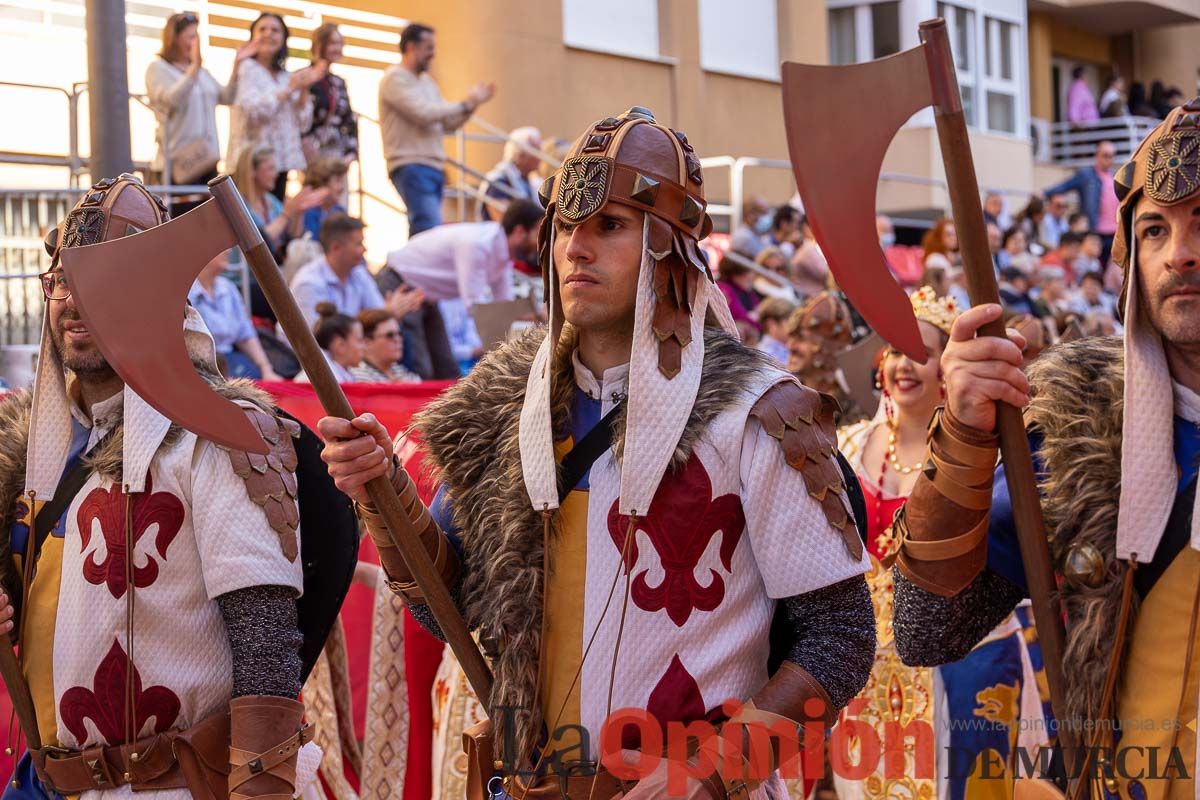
(542, 82)
(1001, 163)
(1170, 55)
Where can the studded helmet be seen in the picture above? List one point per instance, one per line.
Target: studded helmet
(113, 208)
(1165, 168)
(636, 161)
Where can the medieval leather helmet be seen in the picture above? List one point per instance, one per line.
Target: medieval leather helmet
(113, 208)
(636, 161)
(1165, 168)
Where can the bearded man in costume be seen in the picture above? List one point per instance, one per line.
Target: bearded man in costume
(154, 574)
(647, 575)
(1115, 428)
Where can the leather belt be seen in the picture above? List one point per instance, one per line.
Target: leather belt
(144, 764)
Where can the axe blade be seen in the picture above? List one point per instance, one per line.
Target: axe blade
(131, 293)
(840, 121)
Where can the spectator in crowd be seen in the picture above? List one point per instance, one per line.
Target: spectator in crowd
(339, 277)
(1099, 323)
(1091, 296)
(1014, 292)
(1088, 259)
(1097, 195)
(333, 132)
(184, 97)
(1078, 223)
(1158, 100)
(750, 237)
(1052, 295)
(1063, 256)
(414, 117)
(772, 260)
(255, 176)
(271, 105)
(1081, 103)
(785, 231)
(1138, 105)
(1029, 219)
(383, 349)
(773, 315)
(956, 276)
(736, 283)
(993, 210)
(472, 261)
(340, 337)
(465, 343)
(995, 244)
(940, 245)
(220, 305)
(1015, 252)
(1112, 102)
(810, 270)
(936, 278)
(885, 230)
(556, 149)
(1054, 223)
(327, 174)
(509, 180)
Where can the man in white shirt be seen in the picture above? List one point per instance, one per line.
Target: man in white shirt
(340, 275)
(469, 260)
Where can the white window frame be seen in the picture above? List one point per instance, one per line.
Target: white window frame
(611, 48)
(864, 27)
(977, 78)
(766, 74)
(995, 82)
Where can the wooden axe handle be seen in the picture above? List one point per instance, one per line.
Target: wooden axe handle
(963, 188)
(18, 692)
(333, 399)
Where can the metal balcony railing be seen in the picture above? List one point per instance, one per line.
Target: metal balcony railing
(1074, 145)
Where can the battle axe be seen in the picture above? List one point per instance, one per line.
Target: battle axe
(131, 292)
(840, 121)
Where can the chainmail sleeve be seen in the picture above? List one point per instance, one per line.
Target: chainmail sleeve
(264, 639)
(833, 636)
(931, 630)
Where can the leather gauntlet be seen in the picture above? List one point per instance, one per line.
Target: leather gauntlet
(266, 733)
(444, 557)
(942, 529)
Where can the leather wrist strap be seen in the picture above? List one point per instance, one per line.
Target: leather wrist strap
(444, 557)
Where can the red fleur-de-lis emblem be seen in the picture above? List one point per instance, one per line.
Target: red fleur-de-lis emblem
(104, 703)
(107, 506)
(683, 519)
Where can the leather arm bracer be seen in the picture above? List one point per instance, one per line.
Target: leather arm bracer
(444, 557)
(942, 529)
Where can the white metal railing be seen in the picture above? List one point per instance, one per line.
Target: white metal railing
(1074, 144)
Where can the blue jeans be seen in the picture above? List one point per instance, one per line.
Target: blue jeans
(420, 186)
(239, 365)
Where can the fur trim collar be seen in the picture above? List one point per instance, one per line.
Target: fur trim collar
(471, 435)
(1081, 451)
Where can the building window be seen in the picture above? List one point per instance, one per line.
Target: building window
(861, 31)
(740, 38)
(622, 27)
(999, 74)
(842, 35)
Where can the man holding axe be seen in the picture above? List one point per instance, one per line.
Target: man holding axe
(154, 573)
(1115, 424)
(591, 472)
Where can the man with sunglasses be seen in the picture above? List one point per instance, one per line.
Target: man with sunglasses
(154, 574)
